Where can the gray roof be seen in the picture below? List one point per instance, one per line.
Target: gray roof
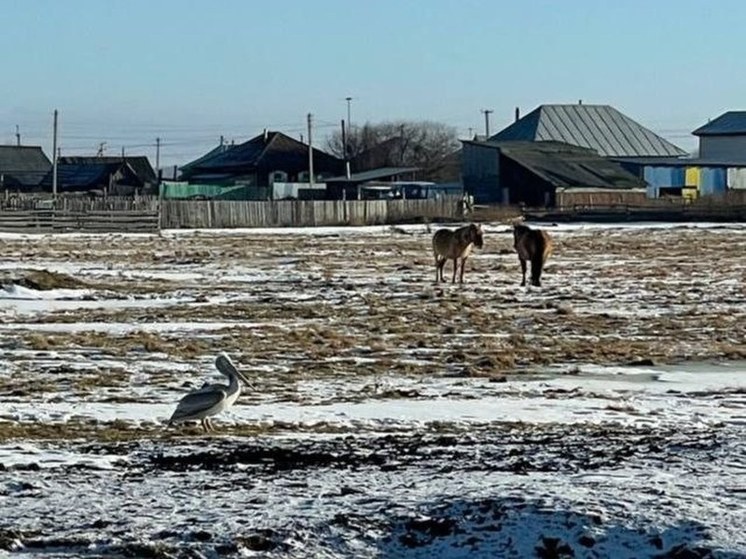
(598, 127)
(23, 166)
(213, 153)
(374, 174)
(731, 123)
(140, 164)
(565, 165)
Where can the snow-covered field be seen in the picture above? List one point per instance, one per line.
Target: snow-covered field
(601, 415)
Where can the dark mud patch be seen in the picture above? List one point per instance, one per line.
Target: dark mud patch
(511, 449)
(44, 280)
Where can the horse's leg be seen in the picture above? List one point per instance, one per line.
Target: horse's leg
(536, 265)
(455, 269)
(439, 269)
(523, 271)
(463, 265)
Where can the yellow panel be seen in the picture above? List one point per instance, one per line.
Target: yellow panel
(689, 193)
(691, 178)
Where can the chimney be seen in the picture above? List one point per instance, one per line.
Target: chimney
(517, 114)
(580, 101)
(266, 134)
(222, 140)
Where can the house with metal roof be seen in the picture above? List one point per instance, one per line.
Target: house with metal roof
(598, 127)
(532, 173)
(724, 139)
(99, 175)
(128, 174)
(23, 168)
(259, 162)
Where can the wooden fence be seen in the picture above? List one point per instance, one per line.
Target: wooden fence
(730, 206)
(43, 214)
(304, 213)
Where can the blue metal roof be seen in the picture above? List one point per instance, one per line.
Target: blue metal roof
(727, 124)
(598, 127)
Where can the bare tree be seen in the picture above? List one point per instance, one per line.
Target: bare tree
(431, 146)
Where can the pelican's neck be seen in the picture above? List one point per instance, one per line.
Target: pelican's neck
(234, 386)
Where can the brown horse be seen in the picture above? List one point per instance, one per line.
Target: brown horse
(534, 245)
(457, 246)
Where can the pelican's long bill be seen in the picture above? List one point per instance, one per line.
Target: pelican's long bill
(224, 364)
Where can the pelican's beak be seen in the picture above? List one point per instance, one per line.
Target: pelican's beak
(243, 377)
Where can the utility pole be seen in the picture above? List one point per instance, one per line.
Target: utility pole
(18, 136)
(349, 127)
(401, 145)
(54, 156)
(487, 113)
(158, 154)
(310, 150)
(122, 152)
(346, 155)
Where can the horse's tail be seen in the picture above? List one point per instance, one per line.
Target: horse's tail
(548, 246)
(441, 241)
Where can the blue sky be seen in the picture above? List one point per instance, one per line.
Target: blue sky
(187, 71)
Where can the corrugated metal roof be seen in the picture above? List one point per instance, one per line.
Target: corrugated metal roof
(727, 124)
(598, 127)
(566, 165)
(140, 164)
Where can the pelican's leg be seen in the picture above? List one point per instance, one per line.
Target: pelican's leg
(209, 424)
(203, 422)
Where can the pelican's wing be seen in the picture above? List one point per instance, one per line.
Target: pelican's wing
(195, 402)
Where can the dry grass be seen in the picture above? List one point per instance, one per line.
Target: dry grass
(343, 306)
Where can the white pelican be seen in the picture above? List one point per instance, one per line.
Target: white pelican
(211, 399)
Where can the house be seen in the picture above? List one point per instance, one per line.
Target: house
(23, 168)
(115, 175)
(98, 177)
(724, 138)
(220, 149)
(259, 162)
(599, 127)
(532, 173)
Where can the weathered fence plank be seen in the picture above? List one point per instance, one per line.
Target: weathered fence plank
(223, 214)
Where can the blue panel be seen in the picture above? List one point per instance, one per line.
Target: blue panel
(664, 176)
(678, 176)
(713, 180)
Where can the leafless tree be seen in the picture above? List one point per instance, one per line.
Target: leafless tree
(431, 146)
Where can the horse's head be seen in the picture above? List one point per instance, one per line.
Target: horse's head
(476, 235)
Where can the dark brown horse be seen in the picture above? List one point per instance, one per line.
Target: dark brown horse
(457, 246)
(533, 245)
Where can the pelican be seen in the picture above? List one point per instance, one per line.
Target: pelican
(211, 399)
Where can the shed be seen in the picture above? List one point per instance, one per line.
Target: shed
(531, 172)
(144, 178)
(100, 177)
(352, 187)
